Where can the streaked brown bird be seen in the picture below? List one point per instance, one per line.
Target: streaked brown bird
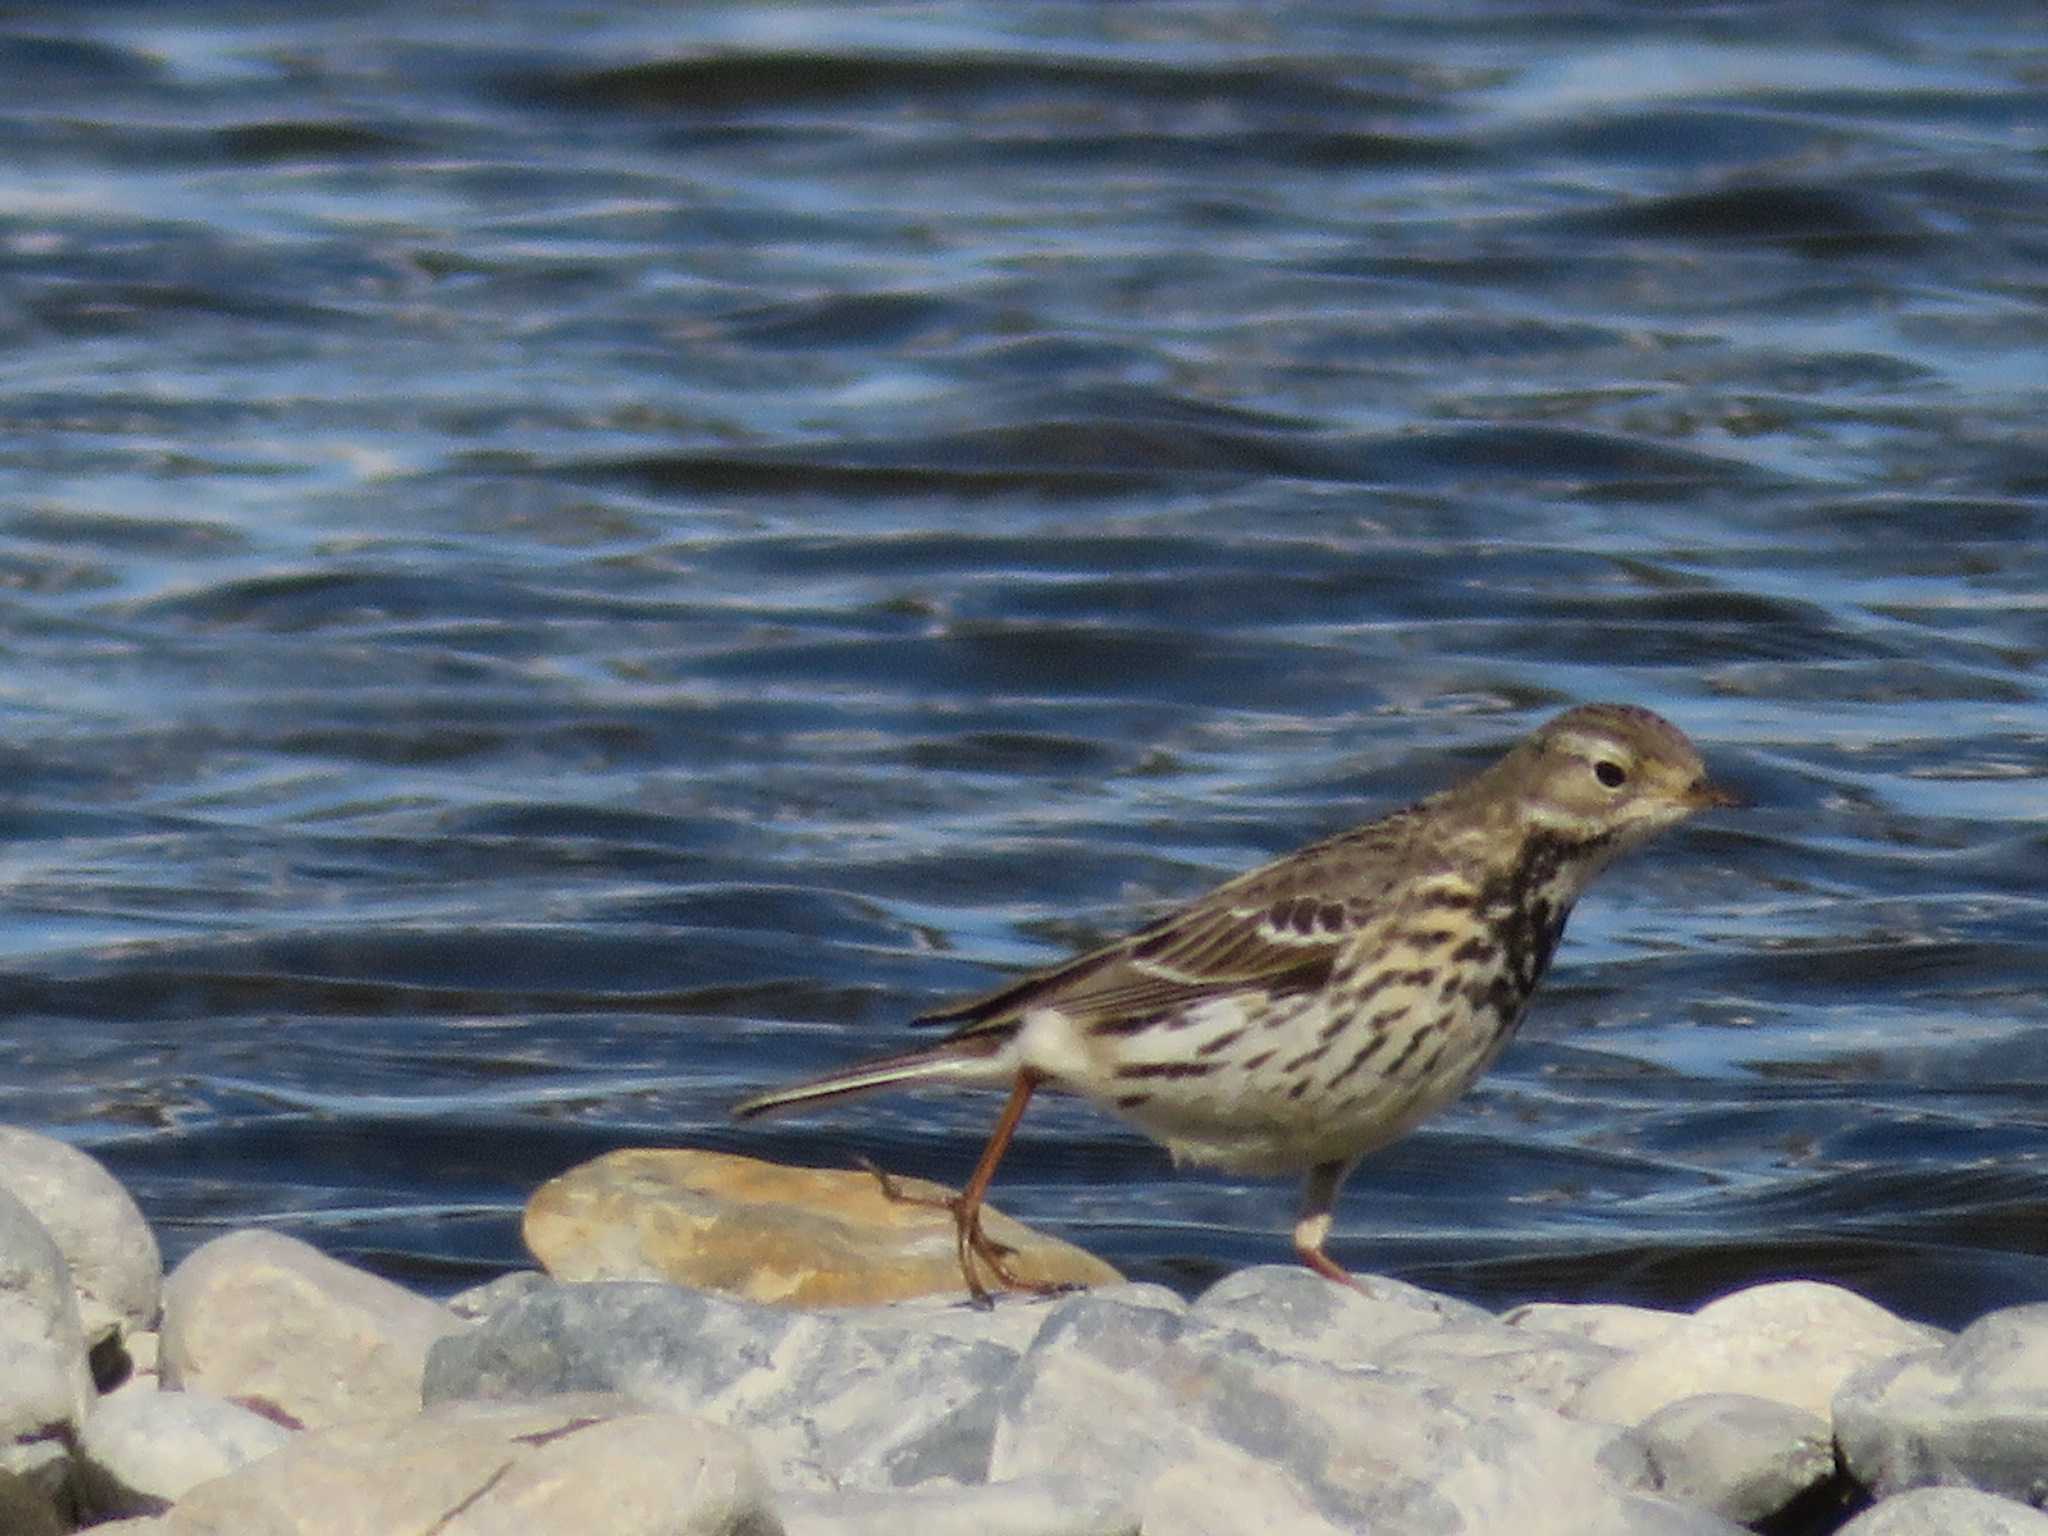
(1314, 1009)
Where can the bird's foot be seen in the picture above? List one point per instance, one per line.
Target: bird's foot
(974, 1243)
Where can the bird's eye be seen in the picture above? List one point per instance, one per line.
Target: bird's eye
(1612, 774)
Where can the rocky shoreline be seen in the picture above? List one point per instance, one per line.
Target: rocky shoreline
(264, 1388)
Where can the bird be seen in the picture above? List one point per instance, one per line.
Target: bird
(1310, 1011)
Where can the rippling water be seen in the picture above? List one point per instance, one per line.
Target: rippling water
(562, 565)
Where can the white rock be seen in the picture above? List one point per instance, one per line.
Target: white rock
(115, 1264)
(268, 1319)
(1048, 1506)
(854, 1398)
(1974, 1412)
(566, 1467)
(1606, 1323)
(1744, 1458)
(142, 1452)
(1229, 1495)
(1294, 1311)
(1486, 1356)
(1123, 1398)
(1947, 1512)
(45, 1384)
(1794, 1342)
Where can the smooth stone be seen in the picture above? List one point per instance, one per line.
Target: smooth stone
(856, 1398)
(1050, 1506)
(564, 1467)
(1611, 1324)
(1292, 1310)
(142, 1452)
(482, 1300)
(1229, 1496)
(45, 1383)
(112, 1253)
(276, 1324)
(1487, 1356)
(1794, 1341)
(1123, 1397)
(1973, 1412)
(802, 1237)
(1744, 1458)
(1948, 1512)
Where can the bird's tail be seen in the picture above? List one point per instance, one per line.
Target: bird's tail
(967, 1061)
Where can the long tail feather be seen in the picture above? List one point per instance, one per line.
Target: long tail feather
(964, 1061)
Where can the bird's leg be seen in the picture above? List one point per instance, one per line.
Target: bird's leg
(973, 1242)
(1318, 1206)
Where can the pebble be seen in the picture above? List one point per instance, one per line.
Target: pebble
(1972, 1413)
(46, 1389)
(351, 1345)
(298, 1396)
(142, 1451)
(1794, 1341)
(1948, 1512)
(1291, 1309)
(1047, 1506)
(804, 1237)
(1748, 1459)
(579, 1463)
(115, 1266)
(860, 1398)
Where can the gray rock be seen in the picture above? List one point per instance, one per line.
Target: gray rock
(1974, 1412)
(572, 1464)
(1744, 1458)
(1294, 1311)
(115, 1265)
(1026, 1507)
(272, 1321)
(857, 1398)
(1947, 1512)
(1130, 1399)
(1794, 1342)
(482, 1300)
(143, 1451)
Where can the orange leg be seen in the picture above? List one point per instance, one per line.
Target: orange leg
(974, 1243)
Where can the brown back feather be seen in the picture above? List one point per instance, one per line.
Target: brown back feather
(1279, 927)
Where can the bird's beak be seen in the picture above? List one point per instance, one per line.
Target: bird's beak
(1705, 796)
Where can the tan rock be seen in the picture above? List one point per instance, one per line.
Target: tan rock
(277, 1325)
(576, 1463)
(769, 1233)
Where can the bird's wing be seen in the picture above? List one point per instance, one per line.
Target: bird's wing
(1279, 928)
